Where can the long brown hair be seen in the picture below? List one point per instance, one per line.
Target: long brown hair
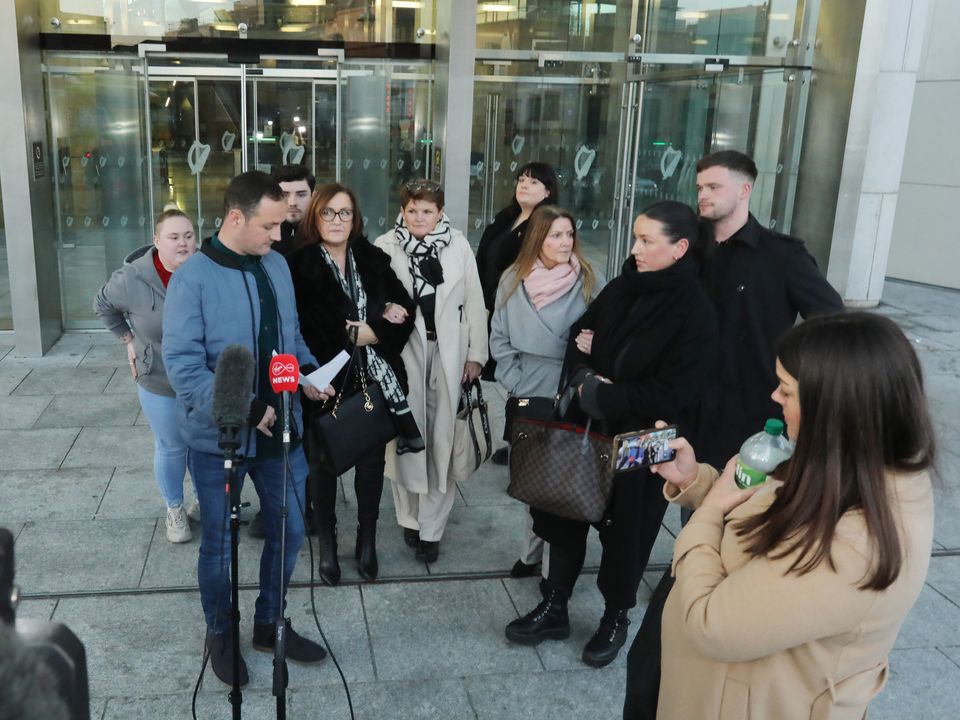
(863, 414)
(309, 230)
(538, 228)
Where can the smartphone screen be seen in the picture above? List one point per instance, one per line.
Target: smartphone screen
(643, 448)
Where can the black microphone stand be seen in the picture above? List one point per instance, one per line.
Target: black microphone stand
(280, 631)
(230, 442)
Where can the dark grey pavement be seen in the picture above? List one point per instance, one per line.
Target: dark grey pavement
(77, 491)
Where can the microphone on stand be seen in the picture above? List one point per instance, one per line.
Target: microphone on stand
(232, 387)
(284, 379)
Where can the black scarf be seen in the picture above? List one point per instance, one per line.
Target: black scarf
(634, 301)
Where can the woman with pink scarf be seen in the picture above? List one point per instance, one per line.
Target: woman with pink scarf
(539, 297)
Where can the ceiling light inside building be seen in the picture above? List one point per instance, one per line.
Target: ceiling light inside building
(691, 15)
(294, 27)
(308, 3)
(497, 7)
(413, 4)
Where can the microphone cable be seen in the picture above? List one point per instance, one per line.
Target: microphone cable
(313, 599)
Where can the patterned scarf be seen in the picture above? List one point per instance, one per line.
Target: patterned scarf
(424, 255)
(376, 365)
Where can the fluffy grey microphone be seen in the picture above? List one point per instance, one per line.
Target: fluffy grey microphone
(232, 385)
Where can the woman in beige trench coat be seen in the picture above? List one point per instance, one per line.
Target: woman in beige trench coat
(447, 347)
(789, 596)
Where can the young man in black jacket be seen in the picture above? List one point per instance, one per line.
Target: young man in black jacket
(759, 281)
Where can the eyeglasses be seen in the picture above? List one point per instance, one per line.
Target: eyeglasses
(418, 185)
(328, 214)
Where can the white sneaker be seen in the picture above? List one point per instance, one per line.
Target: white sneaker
(178, 529)
(193, 509)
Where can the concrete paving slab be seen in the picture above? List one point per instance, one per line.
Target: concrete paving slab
(423, 631)
(36, 609)
(112, 355)
(11, 376)
(56, 556)
(481, 539)
(952, 652)
(423, 700)
(121, 447)
(932, 622)
(488, 487)
(89, 411)
(121, 384)
(923, 683)
(946, 491)
(5, 350)
(65, 381)
(944, 577)
(60, 355)
(21, 412)
(133, 493)
(920, 299)
(35, 449)
(583, 694)
(51, 494)
(212, 704)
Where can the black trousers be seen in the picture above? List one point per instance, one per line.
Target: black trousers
(627, 534)
(367, 482)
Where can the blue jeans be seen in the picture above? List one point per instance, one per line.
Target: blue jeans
(169, 449)
(213, 565)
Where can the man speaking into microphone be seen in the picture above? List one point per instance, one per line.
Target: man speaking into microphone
(236, 291)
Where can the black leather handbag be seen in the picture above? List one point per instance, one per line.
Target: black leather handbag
(536, 408)
(356, 426)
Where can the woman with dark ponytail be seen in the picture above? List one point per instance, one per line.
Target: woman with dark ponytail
(641, 352)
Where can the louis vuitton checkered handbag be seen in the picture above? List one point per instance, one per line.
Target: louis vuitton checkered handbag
(561, 468)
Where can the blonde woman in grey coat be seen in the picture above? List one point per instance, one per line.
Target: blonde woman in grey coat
(539, 297)
(130, 305)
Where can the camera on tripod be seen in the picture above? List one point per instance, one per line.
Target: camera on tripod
(43, 666)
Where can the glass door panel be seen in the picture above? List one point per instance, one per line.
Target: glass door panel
(386, 135)
(96, 119)
(281, 129)
(570, 123)
(325, 129)
(218, 154)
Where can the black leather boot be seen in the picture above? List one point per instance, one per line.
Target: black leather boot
(329, 567)
(366, 553)
(547, 621)
(604, 646)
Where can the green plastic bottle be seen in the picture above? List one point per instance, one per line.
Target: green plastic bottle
(761, 453)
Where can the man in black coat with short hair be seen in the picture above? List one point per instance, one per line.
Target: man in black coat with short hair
(759, 281)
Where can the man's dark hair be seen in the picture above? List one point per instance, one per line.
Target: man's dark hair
(732, 160)
(293, 173)
(246, 191)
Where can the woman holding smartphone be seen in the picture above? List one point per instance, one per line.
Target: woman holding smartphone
(789, 595)
(642, 351)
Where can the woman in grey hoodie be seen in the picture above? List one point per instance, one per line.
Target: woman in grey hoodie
(539, 297)
(130, 305)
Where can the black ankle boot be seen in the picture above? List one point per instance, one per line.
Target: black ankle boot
(547, 621)
(329, 568)
(604, 646)
(366, 553)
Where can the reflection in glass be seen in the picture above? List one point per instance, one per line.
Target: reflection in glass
(96, 125)
(328, 20)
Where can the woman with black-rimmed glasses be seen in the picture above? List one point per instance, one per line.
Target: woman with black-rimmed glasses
(448, 348)
(344, 285)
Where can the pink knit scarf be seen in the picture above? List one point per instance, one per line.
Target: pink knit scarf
(546, 285)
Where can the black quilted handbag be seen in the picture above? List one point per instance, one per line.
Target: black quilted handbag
(355, 426)
(561, 468)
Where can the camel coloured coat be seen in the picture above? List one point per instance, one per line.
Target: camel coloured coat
(741, 639)
(461, 322)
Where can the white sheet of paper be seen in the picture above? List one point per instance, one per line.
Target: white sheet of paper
(322, 377)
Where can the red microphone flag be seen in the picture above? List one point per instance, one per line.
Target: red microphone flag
(284, 373)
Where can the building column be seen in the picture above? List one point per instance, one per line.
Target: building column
(888, 62)
(453, 104)
(25, 175)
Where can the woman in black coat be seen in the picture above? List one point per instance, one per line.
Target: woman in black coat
(500, 243)
(642, 352)
(344, 285)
